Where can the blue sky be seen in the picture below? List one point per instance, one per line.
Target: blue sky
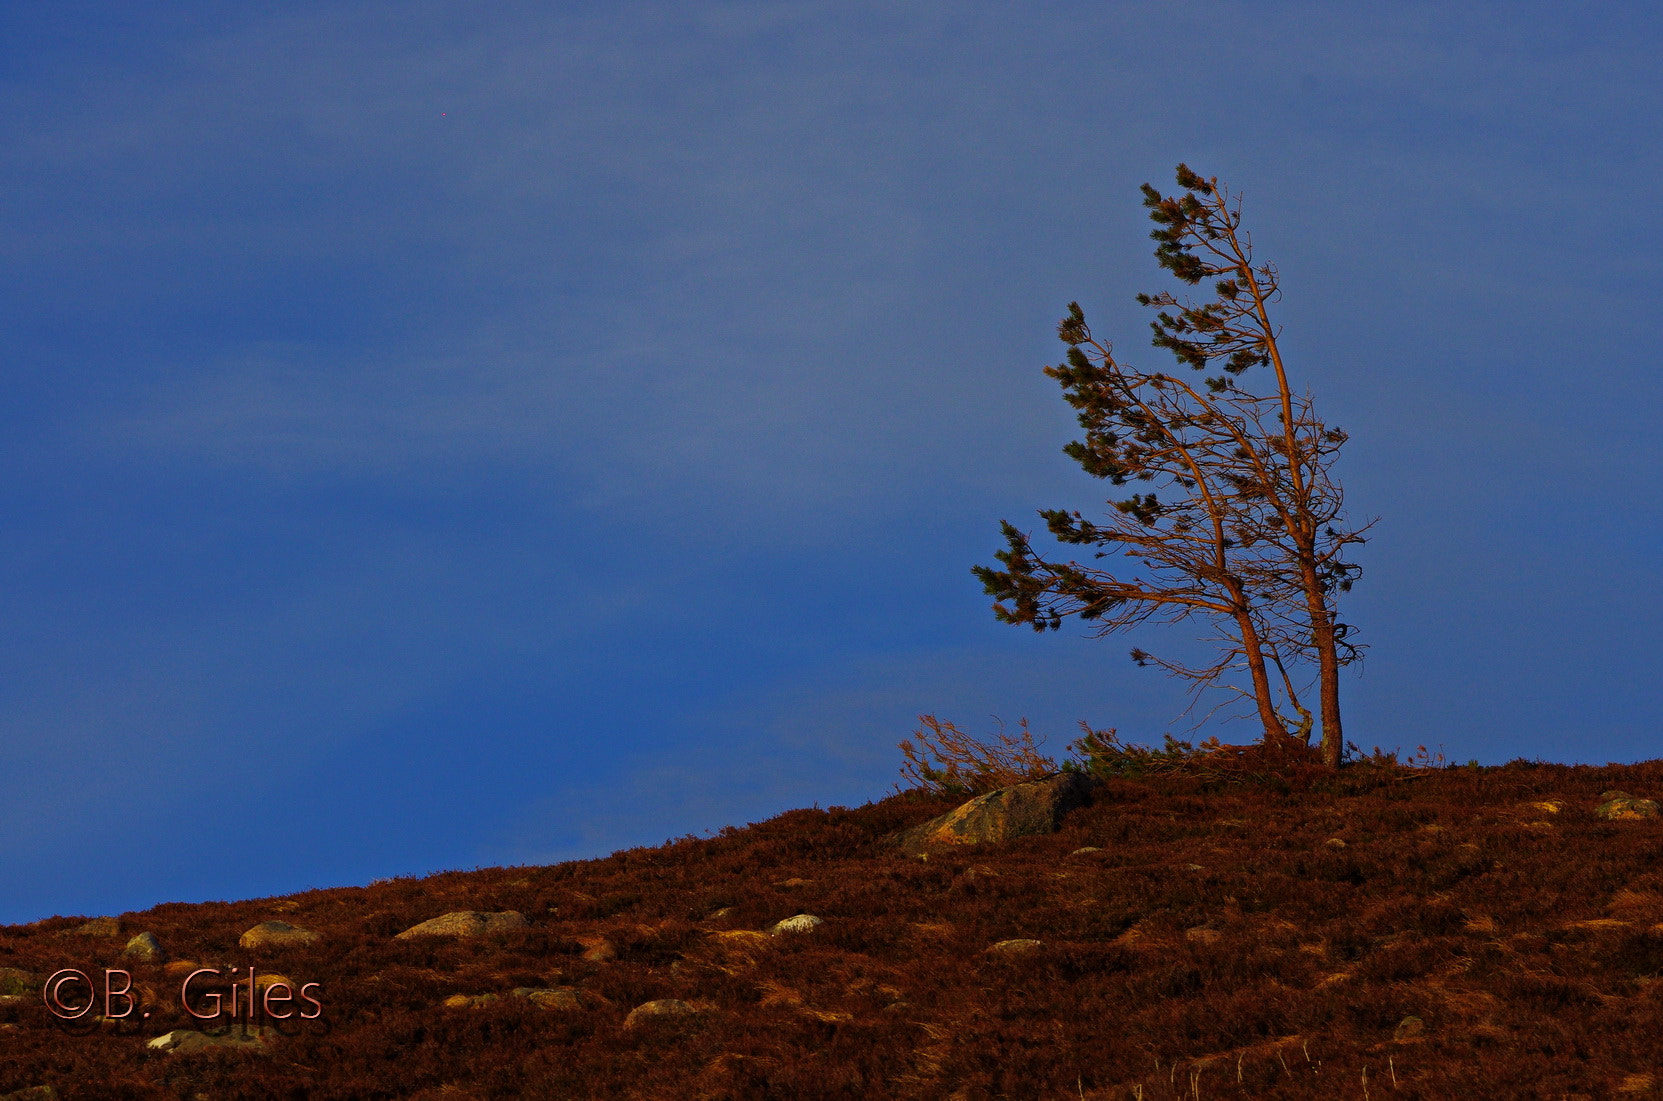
(442, 434)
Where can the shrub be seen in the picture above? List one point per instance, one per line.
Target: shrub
(967, 765)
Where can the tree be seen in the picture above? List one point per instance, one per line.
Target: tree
(1243, 526)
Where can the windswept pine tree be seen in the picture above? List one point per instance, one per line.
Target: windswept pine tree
(1243, 523)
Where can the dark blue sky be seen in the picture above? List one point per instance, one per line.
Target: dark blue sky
(442, 434)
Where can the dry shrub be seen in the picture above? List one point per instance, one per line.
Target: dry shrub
(967, 765)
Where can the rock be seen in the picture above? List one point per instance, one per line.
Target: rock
(1015, 947)
(1410, 1028)
(717, 915)
(552, 997)
(663, 1011)
(1020, 810)
(97, 927)
(799, 923)
(185, 1041)
(597, 949)
(15, 982)
(1201, 934)
(276, 934)
(1335, 843)
(470, 1001)
(146, 948)
(1620, 806)
(466, 923)
(1084, 849)
(794, 881)
(32, 1093)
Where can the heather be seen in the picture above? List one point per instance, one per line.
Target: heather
(1260, 930)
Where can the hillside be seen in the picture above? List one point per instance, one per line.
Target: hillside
(1383, 932)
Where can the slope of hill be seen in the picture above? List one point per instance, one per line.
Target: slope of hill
(1383, 932)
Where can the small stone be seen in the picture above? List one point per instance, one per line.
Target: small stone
(146, 948)
(466, 923)
(798, 923)
(663, 1010)
(470, 1001)
(1015, 946)
(1083, 849)
(1334, 843)
(554, 997)
(598, 949)
(716, 915)
(185, 1041)
(277, 934)
(1410, 1028)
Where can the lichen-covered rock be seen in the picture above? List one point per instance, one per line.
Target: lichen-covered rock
(1020, 810)
(1620, 806)
(145, 948)
(277, 934)
(466, 923)
(797, 923)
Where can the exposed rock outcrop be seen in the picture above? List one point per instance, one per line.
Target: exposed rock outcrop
(466, 923)
(1021, 810)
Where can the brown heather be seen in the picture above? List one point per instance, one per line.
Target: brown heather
(1221, 942)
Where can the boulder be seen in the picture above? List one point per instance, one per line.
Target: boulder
(1620, 806)
(466, 923)
(276, 934)
(662, 1011)
(1020, 810)
(798, 923)
(15, 982)
(470, 1001)
(145, 948)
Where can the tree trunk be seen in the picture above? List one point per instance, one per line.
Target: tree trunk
(1276, 733)
(1328, 663)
